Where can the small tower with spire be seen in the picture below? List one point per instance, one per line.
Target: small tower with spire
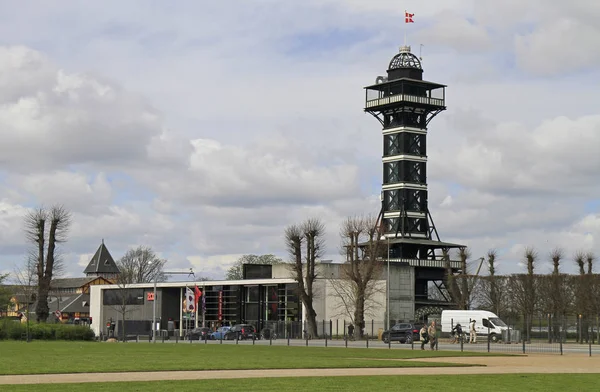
(102, 264)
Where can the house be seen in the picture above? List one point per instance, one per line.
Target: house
(68, 297)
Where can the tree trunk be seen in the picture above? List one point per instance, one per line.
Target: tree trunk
(42, 310)
(311, 316)
(359, 313)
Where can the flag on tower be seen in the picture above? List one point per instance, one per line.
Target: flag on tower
(190, 300)
(408, 18)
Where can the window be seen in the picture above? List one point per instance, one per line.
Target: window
(115, 296)
(497, 322)
(487, 324)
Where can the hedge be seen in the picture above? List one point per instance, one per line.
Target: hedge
(10, 329)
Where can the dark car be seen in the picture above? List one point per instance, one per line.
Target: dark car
(202, 333)
(241, 332)
(403, 333)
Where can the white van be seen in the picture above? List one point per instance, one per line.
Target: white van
(483, 320)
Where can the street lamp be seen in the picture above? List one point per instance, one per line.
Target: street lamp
(154, 326)
(387, 305)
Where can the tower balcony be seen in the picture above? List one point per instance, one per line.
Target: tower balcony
(403, 98)
(428, 263)
(405, 92)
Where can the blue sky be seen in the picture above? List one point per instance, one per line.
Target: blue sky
(203, 129)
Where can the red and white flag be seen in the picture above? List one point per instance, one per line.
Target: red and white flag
(190, 300)
(408, 18)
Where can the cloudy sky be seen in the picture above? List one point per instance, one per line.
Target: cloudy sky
(203, 128)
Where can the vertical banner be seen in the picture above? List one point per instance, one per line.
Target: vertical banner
(220, 313)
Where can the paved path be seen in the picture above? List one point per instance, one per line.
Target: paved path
(488, 365)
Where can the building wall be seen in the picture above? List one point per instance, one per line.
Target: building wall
(106, 313)
(402, 293)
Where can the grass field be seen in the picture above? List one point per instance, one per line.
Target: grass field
(75, 357)
(474, 383)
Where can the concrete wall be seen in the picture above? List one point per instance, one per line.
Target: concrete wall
(133, 312)
(402, 293)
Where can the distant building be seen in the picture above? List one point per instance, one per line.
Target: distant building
(69, 297)
(102, 264)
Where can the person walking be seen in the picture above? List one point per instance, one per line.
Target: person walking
(423, 336)
(457, 333)
(432, 335)
(472, 332)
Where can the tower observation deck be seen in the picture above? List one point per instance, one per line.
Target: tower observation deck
(405, 104)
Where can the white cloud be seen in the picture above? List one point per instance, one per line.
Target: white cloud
(222, 137)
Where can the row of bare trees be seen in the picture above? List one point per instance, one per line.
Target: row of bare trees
(355, 286)
(522, 296)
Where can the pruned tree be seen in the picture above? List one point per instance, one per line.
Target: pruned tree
(235, 272)
(493, 288)
(310, 236)
(523, 289)
(141, 265)
(362, 245)
(582, 288)
(461, 286)
(589, 258)
(555, 292)
(46, 228)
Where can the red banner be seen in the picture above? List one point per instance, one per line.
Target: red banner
(220, 313)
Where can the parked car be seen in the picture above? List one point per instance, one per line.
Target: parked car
(219, 333)
(402, 333)
(241, 332)
(201, 333)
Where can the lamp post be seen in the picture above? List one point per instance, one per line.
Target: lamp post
(154, 326)
(387, 305)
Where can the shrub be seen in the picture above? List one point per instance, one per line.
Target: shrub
(10, 329)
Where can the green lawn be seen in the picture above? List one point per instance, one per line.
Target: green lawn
(462, 383)
(81, 357)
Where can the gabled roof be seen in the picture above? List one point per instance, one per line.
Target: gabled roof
(102, 262)
(75, 283)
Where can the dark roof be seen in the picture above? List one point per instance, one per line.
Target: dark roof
(421, 242)
(68, 283)
(77, 304)
(102, 262)
(382, 86)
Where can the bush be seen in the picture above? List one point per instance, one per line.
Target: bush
(10, 329)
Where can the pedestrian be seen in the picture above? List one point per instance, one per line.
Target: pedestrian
(457, 332)
(432, 335)
(423, 336)
(472, 332)
(351, 331)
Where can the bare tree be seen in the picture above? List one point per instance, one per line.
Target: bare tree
(461, 286)
(362, 245)
(583, 288)
(46, 229)
(235, 272)
(590, 258)
(124, 280)
(25, 277)
(554, 290)
(580, 261)
(523, 289)
(140, 265)
(493, 288)
(310, 235)
(5, 295)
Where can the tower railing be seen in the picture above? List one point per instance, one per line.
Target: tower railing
(437, 263)
(404, 98)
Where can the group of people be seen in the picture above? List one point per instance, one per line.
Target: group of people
(429, 335)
